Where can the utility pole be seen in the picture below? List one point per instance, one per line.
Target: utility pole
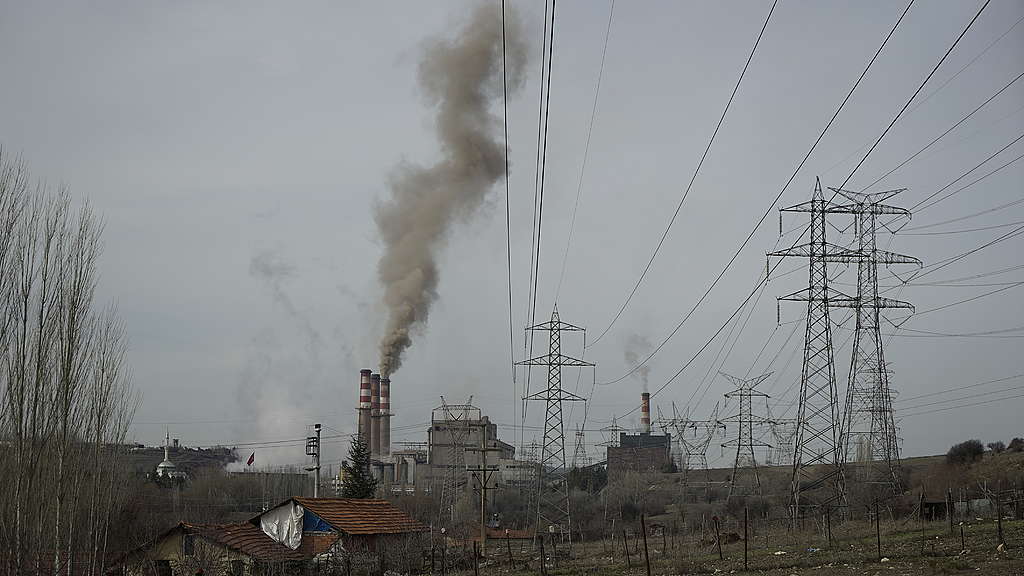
(553, 488)
(483, 474)
(817, 460)
(745, 422)
(869, 428)
(313, 449)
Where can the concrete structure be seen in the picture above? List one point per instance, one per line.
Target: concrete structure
(384, 417)
(375, 416)
(445, 434)
(640, 453)
(364, 405)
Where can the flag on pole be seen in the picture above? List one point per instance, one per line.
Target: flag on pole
(252, 458)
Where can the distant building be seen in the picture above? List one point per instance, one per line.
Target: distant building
(642, 452)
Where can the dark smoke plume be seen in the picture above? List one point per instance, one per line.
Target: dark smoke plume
(461, 78)
(636, 346)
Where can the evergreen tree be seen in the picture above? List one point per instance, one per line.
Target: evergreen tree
(358, 482)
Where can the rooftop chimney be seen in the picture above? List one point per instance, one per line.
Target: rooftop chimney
(375, 416)
(645, 412)
(364, 405)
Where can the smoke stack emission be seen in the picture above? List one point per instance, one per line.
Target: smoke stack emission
(636, 346)
(375, 416)
(645, 412)
(461, 78)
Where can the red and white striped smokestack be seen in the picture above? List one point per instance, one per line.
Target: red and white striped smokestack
(645, 412)
(364, 405)
(375, 416)
(385, 416)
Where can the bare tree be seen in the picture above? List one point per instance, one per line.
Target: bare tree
(66, 400)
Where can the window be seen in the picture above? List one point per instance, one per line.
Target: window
(163, 568)
(237, 568)
(188, 545)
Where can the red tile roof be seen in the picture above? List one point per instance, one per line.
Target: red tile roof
(245, 538)
(362, 516)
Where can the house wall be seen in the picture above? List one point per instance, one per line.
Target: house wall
(212, 558)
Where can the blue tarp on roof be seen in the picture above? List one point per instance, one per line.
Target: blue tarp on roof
(313, 523)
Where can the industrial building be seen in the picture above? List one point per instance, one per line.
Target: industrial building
(459, 437)
(643, 452)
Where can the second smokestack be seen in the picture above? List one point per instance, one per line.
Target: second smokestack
(385, 417)
(645, 412)
(364, 405)
(375, 416)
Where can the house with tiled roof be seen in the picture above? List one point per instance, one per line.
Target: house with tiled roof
(295, 534)
(229, 549)
(353, 527)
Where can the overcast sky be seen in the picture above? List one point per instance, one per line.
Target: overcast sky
(236, 151)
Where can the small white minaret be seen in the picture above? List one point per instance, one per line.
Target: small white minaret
(166, 468)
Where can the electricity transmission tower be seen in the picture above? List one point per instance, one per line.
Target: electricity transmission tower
(695, 449)
(783, 431)
(579, 457)
(553, 489)
(745, 422)
(817, 459)
(457, 421)
(612, 433)
(869, 430)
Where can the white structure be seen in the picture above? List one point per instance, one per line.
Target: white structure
(167, 469)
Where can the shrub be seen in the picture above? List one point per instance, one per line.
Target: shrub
(996, 447)
(1016, 445)
(965, 452)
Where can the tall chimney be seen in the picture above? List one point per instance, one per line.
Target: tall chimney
(364, 405)
(375, 416)
(385, 417)
(645, 412)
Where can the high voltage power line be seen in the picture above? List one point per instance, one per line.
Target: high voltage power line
(768, 211)
(696, 171)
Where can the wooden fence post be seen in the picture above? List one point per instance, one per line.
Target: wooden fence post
(476, 560)
(999, 518)
(745, 537)
(949, 509)
(508, 545)
(647, 558)
(625, 548)
(828, 525)
(878, 532)
(543, 558)
(718, 538)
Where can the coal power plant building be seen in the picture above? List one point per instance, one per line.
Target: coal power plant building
(459, 438)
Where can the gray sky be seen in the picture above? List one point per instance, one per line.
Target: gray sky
(236, 150)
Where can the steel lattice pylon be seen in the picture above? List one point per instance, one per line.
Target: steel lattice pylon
(579, 457)
(817, 460)
(694, 450)
(869, 429)
(745, 422)
(456, 418)
(553, 489)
